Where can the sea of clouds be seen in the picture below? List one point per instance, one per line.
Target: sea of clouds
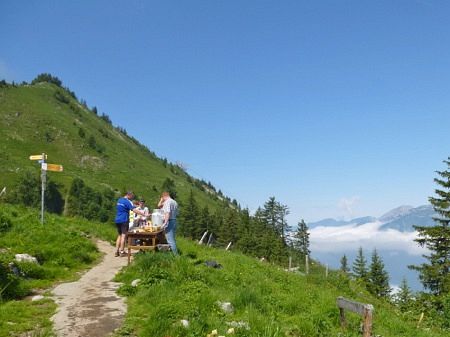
(340, 239)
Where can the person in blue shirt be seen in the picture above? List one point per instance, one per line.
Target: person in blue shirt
(123, 208)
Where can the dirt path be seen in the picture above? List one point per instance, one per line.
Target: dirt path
(90, 306)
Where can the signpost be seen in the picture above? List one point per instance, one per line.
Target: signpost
(52, 167)
(38, 157)
(44, 168)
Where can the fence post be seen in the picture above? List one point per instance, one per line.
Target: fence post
(367, 321)
(342, 318)
(306, 264)
(203, 238)
(209, 240)
(290, 263)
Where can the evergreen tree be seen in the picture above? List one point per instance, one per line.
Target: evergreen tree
(204, 223)
(274, 215)
(360, 266)
(378, 277)
(270, 214)
(247, 233)
(75, 198)
(404, 296)
(45, 77)
(28, 190)
(284, 227)
(169, 186)
(228, 231)
(190, 215)
(434, 274)
(301, 239)
(54, 202)
(28, 193)
(85, 202)
(344, 265)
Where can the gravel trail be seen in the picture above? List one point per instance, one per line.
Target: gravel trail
(90, 306)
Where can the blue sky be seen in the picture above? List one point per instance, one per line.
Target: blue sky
(337, 108)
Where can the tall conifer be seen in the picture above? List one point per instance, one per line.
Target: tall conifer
(378, 277)
(344, 265)
(190, 215)
(434, 274)
(360, 266)
(301, 238)
(404, 296)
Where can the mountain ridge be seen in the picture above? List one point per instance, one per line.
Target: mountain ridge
(401, 218)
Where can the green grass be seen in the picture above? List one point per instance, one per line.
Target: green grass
(63, 246)
(272, 301)
(25, 318)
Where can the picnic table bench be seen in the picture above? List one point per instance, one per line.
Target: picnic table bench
(147, 240)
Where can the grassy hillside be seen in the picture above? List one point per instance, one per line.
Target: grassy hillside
(45, 118)
(271, 301)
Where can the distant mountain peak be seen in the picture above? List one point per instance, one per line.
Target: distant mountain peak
(402, 218)
(396, 213)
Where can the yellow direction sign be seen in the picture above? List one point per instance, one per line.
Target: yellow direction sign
(37, 157)
(52, 167)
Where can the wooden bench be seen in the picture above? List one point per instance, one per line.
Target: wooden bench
(365, 310)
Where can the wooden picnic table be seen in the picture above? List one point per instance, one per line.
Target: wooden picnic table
(147, 241)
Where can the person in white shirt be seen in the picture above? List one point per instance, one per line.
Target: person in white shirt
(170, 209)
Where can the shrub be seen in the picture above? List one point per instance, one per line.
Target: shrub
(10, 285)
(32, 270)
(61, 97)
(5, 223)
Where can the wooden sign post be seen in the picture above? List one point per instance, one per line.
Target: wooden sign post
(44, 168)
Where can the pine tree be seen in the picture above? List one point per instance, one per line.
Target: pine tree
(301, 239)
(204, 223)
(344, 265)
(45, 77)
(434, 274)
(274, 215)
(75, 197)
(378, 277)
(284, 227)
(247, 235)
(189, 217)
(28, 193)
(228, 231)
(360, 266)
(270, 213)
(404, 296)
(28, 190)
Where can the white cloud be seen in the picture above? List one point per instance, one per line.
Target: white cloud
(369, 236)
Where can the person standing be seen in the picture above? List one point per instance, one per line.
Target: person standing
(170, 209)
(123, 207)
